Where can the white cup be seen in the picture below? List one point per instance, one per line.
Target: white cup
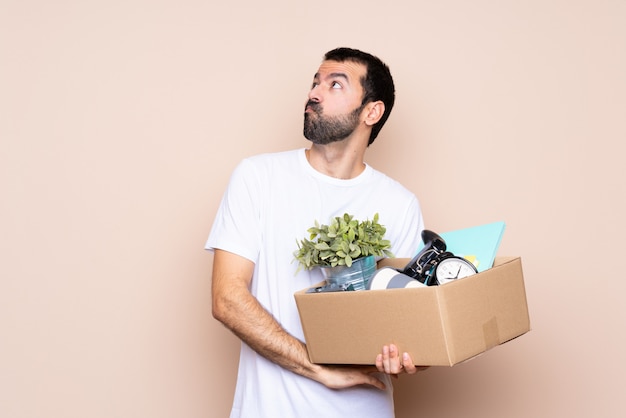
(390, 278)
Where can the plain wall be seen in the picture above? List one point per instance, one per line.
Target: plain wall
(121, 121)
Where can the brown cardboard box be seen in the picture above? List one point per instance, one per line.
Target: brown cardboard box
(437, 326)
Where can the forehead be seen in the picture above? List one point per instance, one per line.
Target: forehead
(353, 71)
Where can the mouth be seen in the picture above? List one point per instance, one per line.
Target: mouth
(312, 107)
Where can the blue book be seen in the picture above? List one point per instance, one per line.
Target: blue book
(478, 244)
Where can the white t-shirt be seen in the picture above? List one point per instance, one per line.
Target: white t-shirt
(270, 202)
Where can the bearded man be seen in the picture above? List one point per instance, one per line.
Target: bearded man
(270, 200)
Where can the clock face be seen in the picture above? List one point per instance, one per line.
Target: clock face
(453, 268)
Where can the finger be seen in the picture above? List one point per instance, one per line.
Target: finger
(341, 377)
(385, 359)
(373, 381)
(371, 373)
(395, 363)
(409, 367)
(379, 363)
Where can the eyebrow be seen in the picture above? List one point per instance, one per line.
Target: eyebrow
(333, 75)
(338, 75)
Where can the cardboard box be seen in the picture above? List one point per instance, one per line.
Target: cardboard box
(437, 325)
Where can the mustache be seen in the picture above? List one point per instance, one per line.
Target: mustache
(314, 106)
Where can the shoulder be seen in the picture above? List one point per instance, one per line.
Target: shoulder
(391, 186)
(260, 164)
(273, 157)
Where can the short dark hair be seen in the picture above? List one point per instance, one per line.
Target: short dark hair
(377, 83)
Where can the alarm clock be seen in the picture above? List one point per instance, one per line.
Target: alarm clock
(434, 266)
(451, 268)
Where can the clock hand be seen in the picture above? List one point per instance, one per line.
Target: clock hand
(458, 272)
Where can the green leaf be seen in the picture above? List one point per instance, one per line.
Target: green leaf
(341, 242)
(322, 246)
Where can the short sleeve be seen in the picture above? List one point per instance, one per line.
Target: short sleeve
(236, 227)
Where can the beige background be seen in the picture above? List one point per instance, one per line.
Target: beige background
(120, 122)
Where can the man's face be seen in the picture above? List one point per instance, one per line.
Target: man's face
(333, 110)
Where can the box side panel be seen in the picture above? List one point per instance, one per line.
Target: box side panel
(511, 304)
(485, 310)
(352, 327)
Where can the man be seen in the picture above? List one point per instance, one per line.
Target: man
(270, 202)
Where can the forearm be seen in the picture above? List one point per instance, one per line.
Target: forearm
(241, 312)
(245, 317)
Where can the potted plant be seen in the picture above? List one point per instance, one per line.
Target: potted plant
(345, 250)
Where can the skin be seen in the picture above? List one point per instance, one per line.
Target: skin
(337, 88)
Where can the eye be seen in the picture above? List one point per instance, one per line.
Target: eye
(335, 85)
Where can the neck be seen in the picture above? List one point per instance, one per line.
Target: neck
(340, 159)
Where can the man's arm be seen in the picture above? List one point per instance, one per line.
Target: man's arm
(240, 311)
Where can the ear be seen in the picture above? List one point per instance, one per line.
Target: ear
(373, 112)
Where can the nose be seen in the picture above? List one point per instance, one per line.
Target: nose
(314, 94)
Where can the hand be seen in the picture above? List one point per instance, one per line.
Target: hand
(390, 362)
(341, 377)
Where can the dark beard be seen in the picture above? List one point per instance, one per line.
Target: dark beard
(324, 130)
